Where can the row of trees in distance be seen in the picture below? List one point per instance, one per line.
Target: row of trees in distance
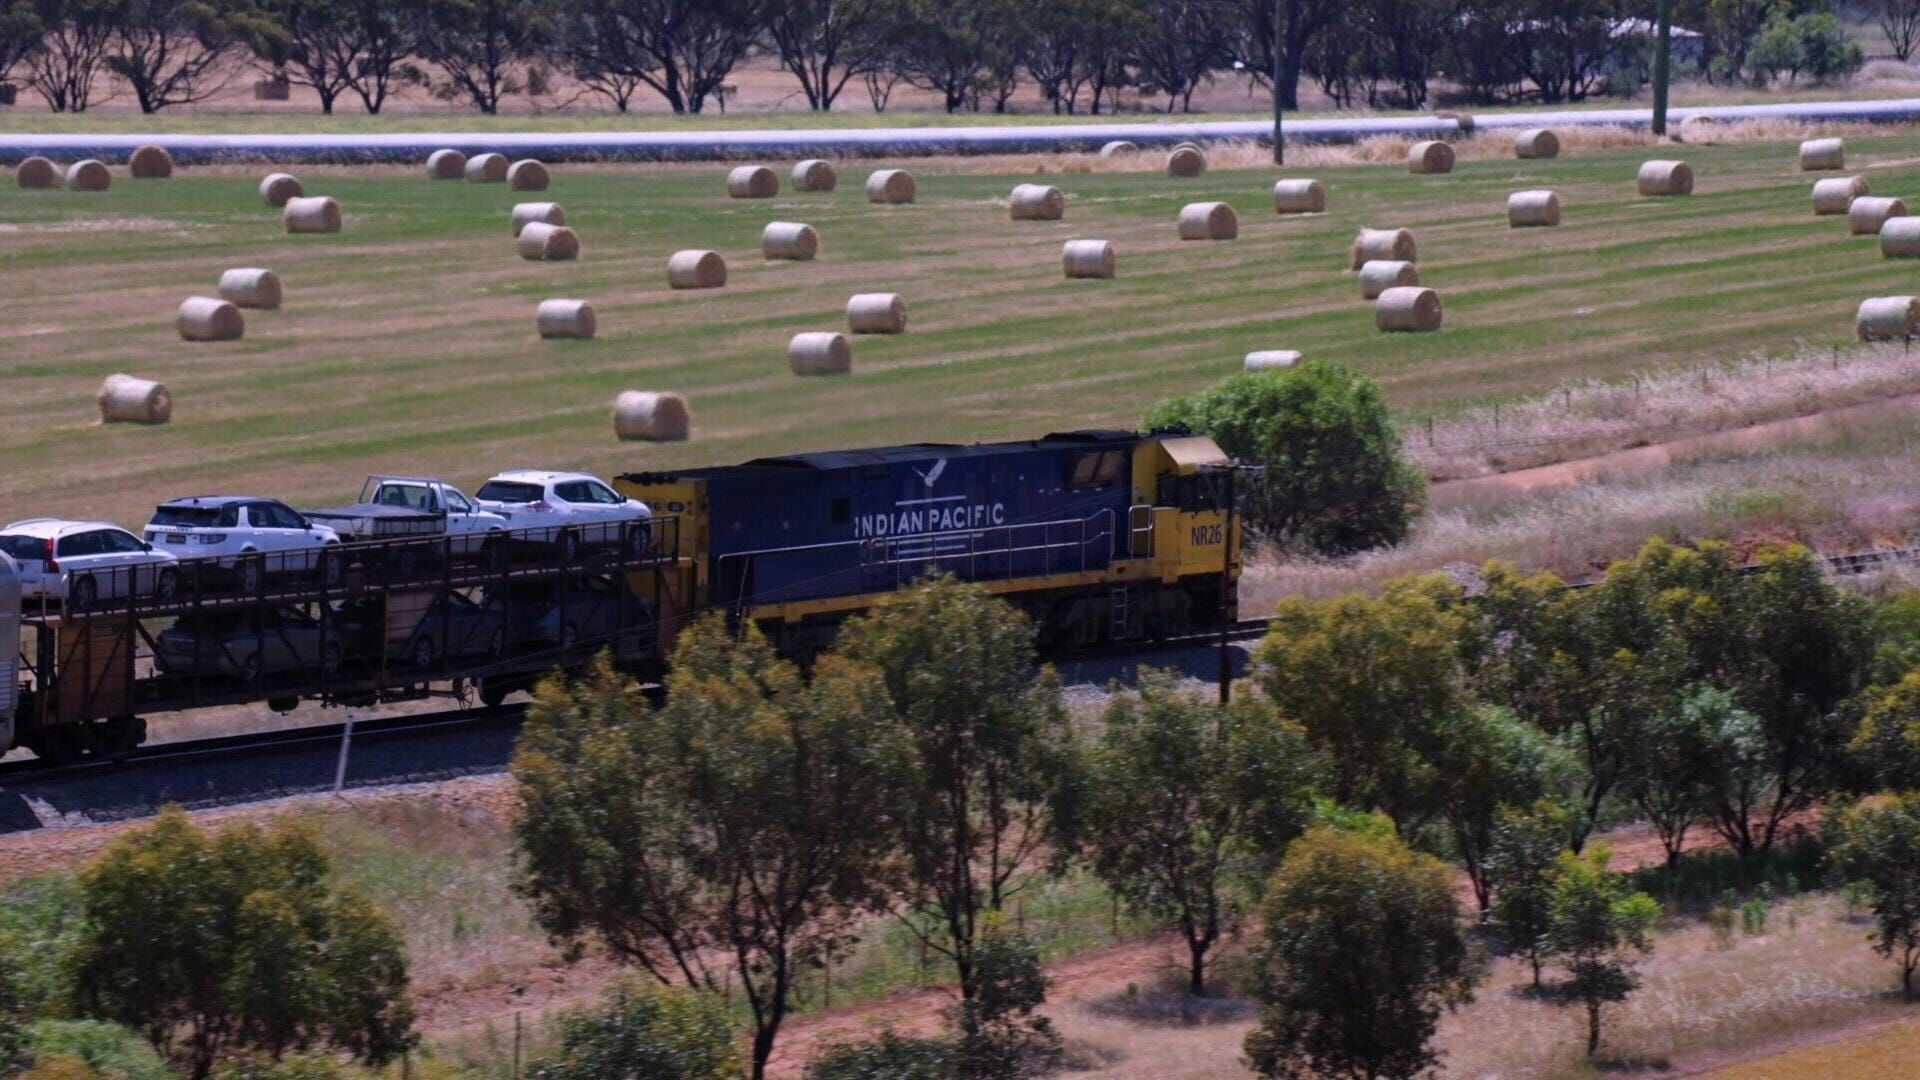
(1077, 55)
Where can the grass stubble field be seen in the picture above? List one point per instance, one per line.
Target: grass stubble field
(407, 344)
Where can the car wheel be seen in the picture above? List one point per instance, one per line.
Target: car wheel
(283, 705)
(492, 695)
(250, 668)
(639, 540)
(330, 658)
(83, 592)
(569, 545)
(328, 568)
(168, 585)
(252, 574)
(423, 652)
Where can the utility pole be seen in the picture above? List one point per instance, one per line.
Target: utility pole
(1279, 152)
(1662, 48)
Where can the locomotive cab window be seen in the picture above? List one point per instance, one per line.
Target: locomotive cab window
(1195, 494)
(1096, 469)
(843, 511)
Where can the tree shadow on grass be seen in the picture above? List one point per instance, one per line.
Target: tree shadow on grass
(1630, 1063)
(1165, 1008)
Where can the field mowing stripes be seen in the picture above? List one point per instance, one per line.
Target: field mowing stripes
(407, 343)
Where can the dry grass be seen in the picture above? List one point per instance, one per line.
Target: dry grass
(1888, 1053)
(1701, 1002)
(1810, 970)
(1848, 485)
(1489, 145)
(1593, 416)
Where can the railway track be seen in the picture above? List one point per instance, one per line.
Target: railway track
(232, 747)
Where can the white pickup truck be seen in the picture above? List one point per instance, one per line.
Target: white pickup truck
(407, 507)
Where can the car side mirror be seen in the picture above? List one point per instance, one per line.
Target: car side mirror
(144, 546)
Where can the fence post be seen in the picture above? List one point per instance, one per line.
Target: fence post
(516, 1046)
(340, 769)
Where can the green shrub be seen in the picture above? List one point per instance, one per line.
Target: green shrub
(105, 1047)
(644, 1032)
(889, 1057)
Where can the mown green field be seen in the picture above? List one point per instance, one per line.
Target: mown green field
(407, 341)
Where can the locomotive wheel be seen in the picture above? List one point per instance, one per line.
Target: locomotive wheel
(66, 744)
(120, 736)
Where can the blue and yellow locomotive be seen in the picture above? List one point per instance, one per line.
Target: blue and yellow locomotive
(1098, 535)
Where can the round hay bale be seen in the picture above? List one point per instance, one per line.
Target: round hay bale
(1665, 178)
(877, 313)
(1271, 360)
(1835, 194)
(150, 163)
(565, 319)
(313, 214)
(1900, 238)
(1407, 308)
(891, 186)
(1379, 275)
(278, 187)
(789, 240)
(1186, 160)
(753, 182)
(1530, 209)
(124, 399)
(1820, 154)
(251, 287)
(546, 213)
(204, 318)
(1536, 143)
(1888, 318)
(695, 269)
(446, 165)
(1696, 129)
(88, 175)
(36, 172)
(487, 168)
(1088, 258)
(1208, 221)
(528, 175)
(1867, 213)
(655, 416)
(1392, 244)
(540, 242)
(1037, 202)
(1118, 147)
(1189, 144)
(1299, 197)
(820, 352)
(1430, 157)
(814, 174)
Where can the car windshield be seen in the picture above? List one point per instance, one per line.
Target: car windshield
(191, 516)
(24, 547)
(509, 491)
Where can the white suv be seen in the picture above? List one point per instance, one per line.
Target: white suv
(83, 562)
(585, 511)
(254, 536)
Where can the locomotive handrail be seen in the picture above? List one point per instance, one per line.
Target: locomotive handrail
(1140, 524)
